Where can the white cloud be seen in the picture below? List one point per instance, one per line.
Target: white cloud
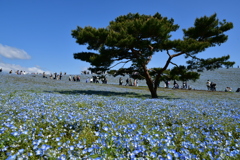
(7, 67)
(13, 53)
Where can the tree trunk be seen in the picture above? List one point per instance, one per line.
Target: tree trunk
(150, 84)
(151, 87)
(153, 92)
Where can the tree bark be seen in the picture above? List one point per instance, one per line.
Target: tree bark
(152, 88)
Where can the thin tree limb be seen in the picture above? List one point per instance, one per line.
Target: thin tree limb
(119, 63)
(174, 64)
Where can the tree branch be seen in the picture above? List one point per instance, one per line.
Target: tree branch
(177, 54)
(194, 57)
(174, 64)
(119, 63)
(159, 73)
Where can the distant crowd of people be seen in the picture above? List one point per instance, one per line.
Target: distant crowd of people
(55, 75)
(129, 82)
(176, 85)
(211, 86)
(97, 79)
(17, 72)
(74, 78)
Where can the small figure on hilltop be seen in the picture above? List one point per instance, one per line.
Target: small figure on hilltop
(184, 86)
(228, 89)
(174, 82)
(238, 90)
(0, 69)
(175, 85)
(44, 75)
(213, 86)
(10, 72)
(166, 83)
(105, 80)
(120, 81)
(127, 82)
(55, 76)
(189, 87)
(134, 82)
(208, 85)
(78, 78)
(60, 76)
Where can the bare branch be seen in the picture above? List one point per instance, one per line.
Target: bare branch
(194, 57)
(177, 54)
(168, 53)
(119, 63)
(174, 64)
(125, 63)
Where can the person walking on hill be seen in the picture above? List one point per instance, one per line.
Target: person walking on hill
(78, 78)
(44, 75)
(208, 85)
(55, 76)
(60, 76)
(166, 83)
(120, 81)
(127, 82)
(213, 86)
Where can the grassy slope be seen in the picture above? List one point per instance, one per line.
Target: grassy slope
(38, 84)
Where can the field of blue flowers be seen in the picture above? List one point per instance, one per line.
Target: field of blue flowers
(42, 118)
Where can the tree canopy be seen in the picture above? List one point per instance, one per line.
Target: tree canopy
(136, 38)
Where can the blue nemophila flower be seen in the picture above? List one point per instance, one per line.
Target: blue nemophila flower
(30, 154)
(35, 147)
(15, 133)
(20, 151)
(62, 157)
(39, 152)
(90, 149)
(71, 148)
(105, 128)
(13, 157)
(153, 155)
(84, 151)
(58, 139)
(45, 147)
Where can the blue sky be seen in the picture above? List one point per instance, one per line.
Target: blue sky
(35, 35)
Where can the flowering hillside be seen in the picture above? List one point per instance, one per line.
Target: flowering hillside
(41, 118)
